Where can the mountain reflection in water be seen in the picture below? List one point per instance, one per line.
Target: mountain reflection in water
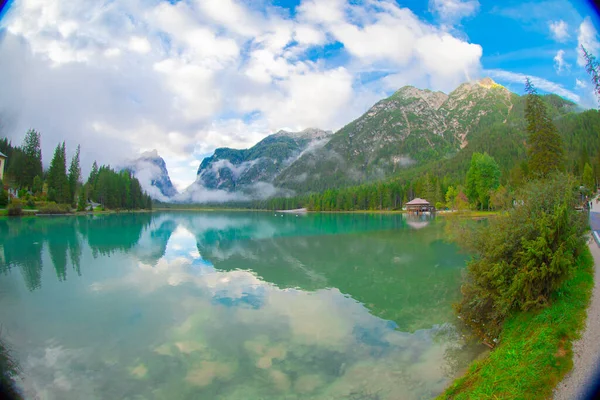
(231, 305)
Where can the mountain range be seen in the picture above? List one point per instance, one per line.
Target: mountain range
(411, 128)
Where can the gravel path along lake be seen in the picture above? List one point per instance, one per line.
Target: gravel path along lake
(586, 350)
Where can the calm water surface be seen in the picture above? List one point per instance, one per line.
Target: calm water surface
(231, 306)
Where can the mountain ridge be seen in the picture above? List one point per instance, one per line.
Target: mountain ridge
(409, 128)
(232, 169)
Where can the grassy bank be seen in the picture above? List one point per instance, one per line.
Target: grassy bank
(535, 351)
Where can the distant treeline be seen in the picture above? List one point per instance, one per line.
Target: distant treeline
(496, 154)
(24, 173)
(442, 181)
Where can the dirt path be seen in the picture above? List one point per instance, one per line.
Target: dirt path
(586, 351)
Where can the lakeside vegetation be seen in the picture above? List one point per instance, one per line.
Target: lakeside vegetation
(529, 282)
(61, 191)
(535, 350)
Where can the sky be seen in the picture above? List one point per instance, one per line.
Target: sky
(187, 76)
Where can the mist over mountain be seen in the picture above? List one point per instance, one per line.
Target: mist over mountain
(231, 174)
(412, 127)
(151, 170)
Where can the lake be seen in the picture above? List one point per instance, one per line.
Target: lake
(231, 305)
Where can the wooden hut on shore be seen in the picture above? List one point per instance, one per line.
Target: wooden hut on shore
(418, 206)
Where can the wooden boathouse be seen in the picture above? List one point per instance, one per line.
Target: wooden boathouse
(418, 206)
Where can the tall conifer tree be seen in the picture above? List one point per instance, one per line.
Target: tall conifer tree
(74, 175)
(545, 152)
(58, 183)
(32, 162)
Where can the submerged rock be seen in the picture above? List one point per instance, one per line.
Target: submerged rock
(280, 380)
(308, 383)
(208, 372)
(139, 371)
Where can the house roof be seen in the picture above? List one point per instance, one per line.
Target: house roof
(418, 202)
(3, 155)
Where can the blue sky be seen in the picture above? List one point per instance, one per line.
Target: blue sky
(185, 77)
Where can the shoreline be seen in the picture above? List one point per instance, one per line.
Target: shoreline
(32, 213)
(443, 214)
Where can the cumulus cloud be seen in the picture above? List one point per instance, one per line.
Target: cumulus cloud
(187, 77)
(453, 10)
(559, 30)
(588, 38)
(540, 83)
(559, 62)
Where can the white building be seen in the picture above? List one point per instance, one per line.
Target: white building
(2, 162)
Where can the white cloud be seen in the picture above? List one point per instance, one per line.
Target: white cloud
(450, 60)
(588, 38)
(580, 84)
(184, 78)
(559, 30)
(326, 92)
(185, 81)
(233, 15)
(322, 11)
(139, 44)
(540, 83)
(559, 62)
(454, 10)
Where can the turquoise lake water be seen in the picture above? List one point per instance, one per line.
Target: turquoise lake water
(187, 305)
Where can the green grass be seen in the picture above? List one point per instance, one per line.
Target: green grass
(535, 351)
(26, 212)
(469, 214)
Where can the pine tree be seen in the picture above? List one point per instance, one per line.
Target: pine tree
(81, 200)
(545, 151)
(37, 185)
(32, 162)
(588, 177)
(593, 68)
(92, 180)
(58, 184)
(74, 175)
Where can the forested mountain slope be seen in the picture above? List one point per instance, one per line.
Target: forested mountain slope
(231, 169)
(411, 127)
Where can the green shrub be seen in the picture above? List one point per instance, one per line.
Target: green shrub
(30, 203)
(53, 208)
(521, 257)
(535, 351)
(15, 208)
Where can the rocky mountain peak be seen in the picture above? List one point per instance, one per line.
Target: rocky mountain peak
(308, 133)
(150, 154)
(481, 86)
(433, 99)
(487, 83)
(151, 171)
